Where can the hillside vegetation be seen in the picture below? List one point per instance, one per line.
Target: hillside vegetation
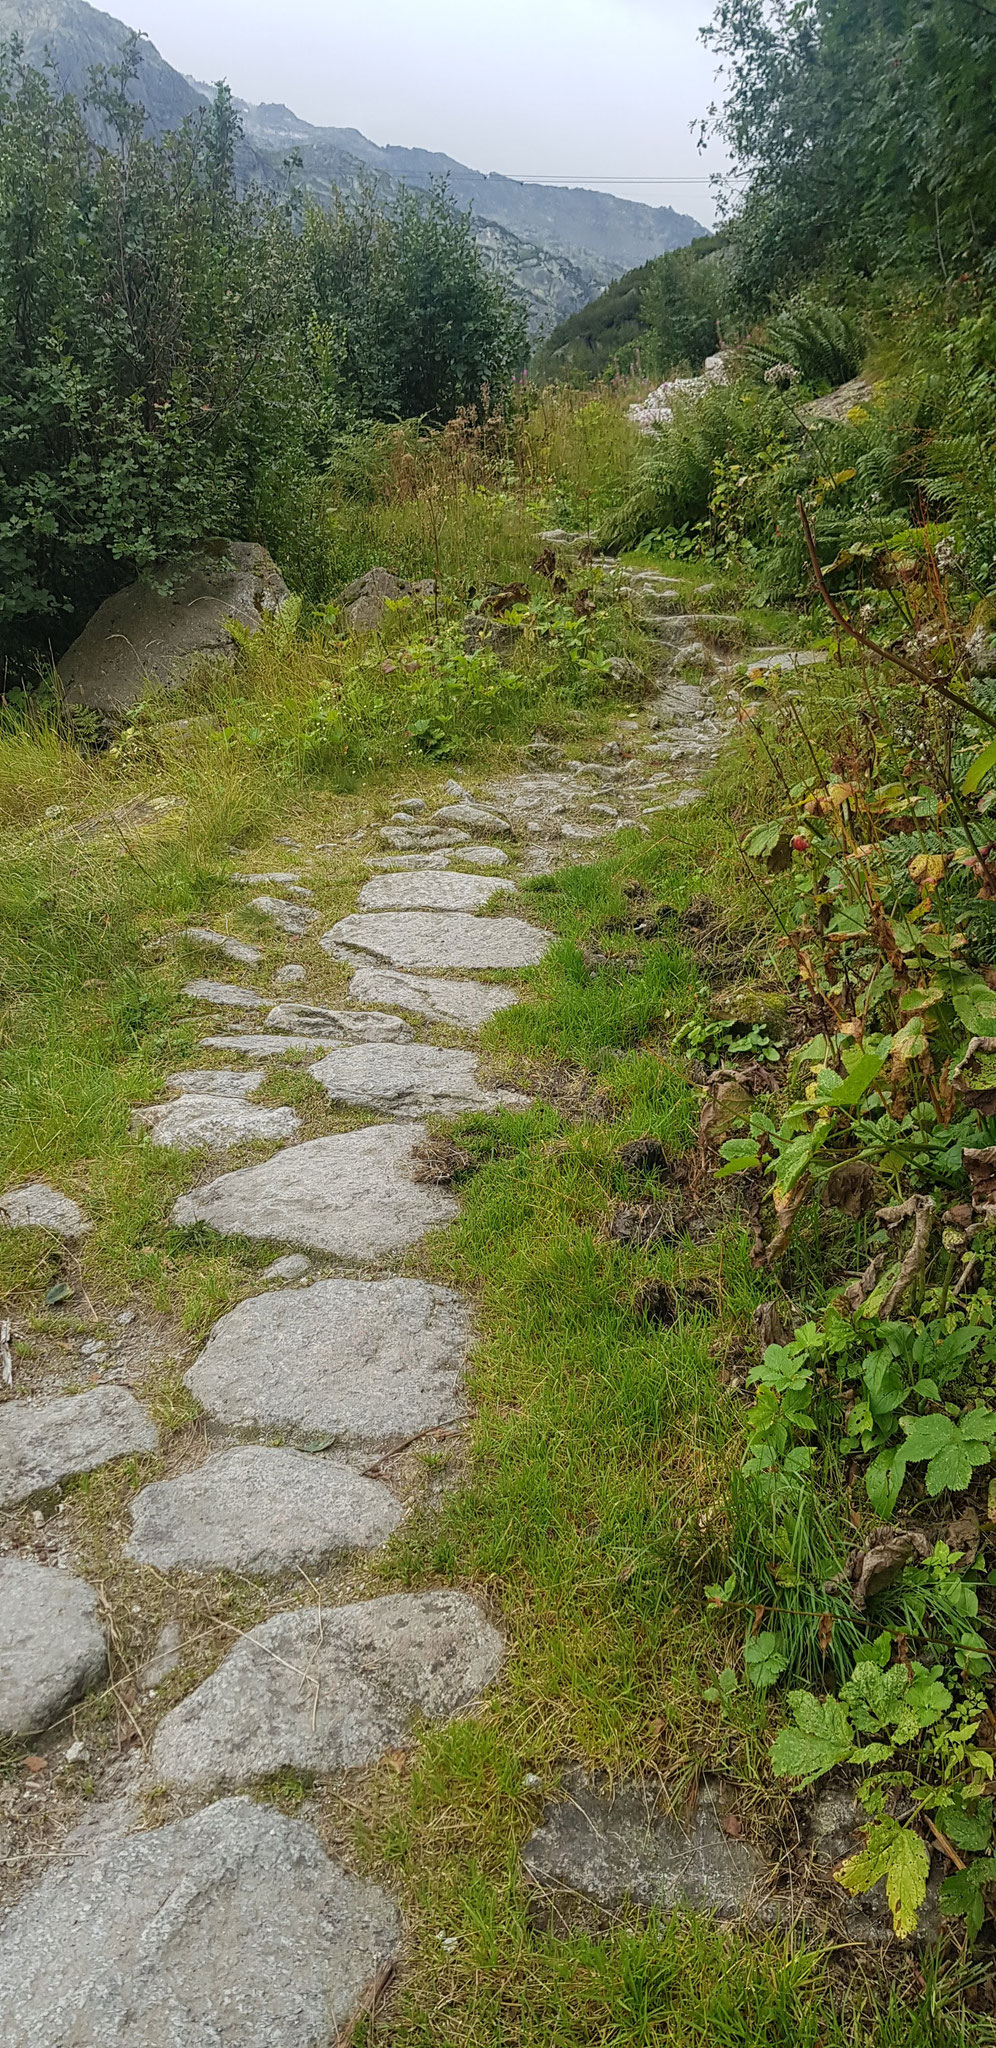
(729, 1487)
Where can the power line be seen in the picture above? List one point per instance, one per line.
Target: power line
(596, 178)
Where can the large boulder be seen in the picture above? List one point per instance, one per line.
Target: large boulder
(153, 632)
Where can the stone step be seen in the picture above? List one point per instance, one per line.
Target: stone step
(52, 1648)
(39, 1207)
(434, 939)
(357, 1027)
(261, 1511)
(469, 1003)
(220, 942)
(370, 1363)
(202, 1122)
(330, 1689)
(352, 1195)
(231, 1928)
(226, 995)
(410, 1081)
(618, 1845)
(292, 918)
(432, 890)
(45, 1441)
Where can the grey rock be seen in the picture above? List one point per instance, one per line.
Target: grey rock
(44, 1441)
(268, 1045)
(409, 839)
(294, 1267)
(293, 972)
(414, 1080)
(454, 789)
(412, 804)
(154, 634)
(51, 1648)
(327, 1690)
(259, 1510)
(267, 881)
(216, 1122)
(165, 1658)
(292, 918)
(357, 1027)
(216, 1081)
(469, 1003)
(351, 1195)
(473, 818)
(484, 857)
(225, 995)
(432, 891)
(787, 660)
(219, 942)
(433, 939)
(368, 1362)
(611, 1845)
(402, 863)
(231, 1929)
(838, 1828)
(39, 1207)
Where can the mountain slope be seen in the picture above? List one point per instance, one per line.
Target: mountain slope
(560, 246)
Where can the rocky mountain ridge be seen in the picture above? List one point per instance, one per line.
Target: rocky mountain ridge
(560, 245)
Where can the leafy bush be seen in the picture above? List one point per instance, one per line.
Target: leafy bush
(177, 359)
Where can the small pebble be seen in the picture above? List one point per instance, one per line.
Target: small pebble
(293, 972)
(128, 1315)
(76, 1753)
(93, 1348)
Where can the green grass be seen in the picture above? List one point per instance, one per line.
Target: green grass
(598, 1498)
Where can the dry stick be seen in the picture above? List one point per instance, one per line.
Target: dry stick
(924, 678)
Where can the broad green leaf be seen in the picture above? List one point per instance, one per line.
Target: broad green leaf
(982, 766)
(764, 839)
(821, 1739)
(969, 1830)
(927, 1435)
(979, 1425)
(764, 1660)
(951, 1470)
(900, 1856)
(962, 1892)
(975, 1004)
(797, 1157)
(884, 1481)
(845, 1092)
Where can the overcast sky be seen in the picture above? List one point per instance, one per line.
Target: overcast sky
(594, 92)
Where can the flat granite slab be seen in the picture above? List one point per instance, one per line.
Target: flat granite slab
(42, 1442)
(431, 890)
(469, 1003)
(368, 1362)
(329, 1689)
(232, 1929)
(434, 939)
(259, 1510)
(351, 1195)
(613, 1844)
(39, 1207)
(52, 1649)
(352, 1027)
(410, 1080)
(202, 1122)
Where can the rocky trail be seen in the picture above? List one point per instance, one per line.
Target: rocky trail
(232, 1923)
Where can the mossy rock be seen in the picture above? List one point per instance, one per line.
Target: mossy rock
(751, 1006)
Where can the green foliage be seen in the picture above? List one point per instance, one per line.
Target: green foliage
(840, 118)
(655, 319)
(405, 319)
(176, 360)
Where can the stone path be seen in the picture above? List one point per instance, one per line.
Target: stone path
(232, 1925)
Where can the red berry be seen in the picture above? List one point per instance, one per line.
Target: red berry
(799, 844)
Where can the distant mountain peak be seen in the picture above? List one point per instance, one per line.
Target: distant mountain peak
(560, 243)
